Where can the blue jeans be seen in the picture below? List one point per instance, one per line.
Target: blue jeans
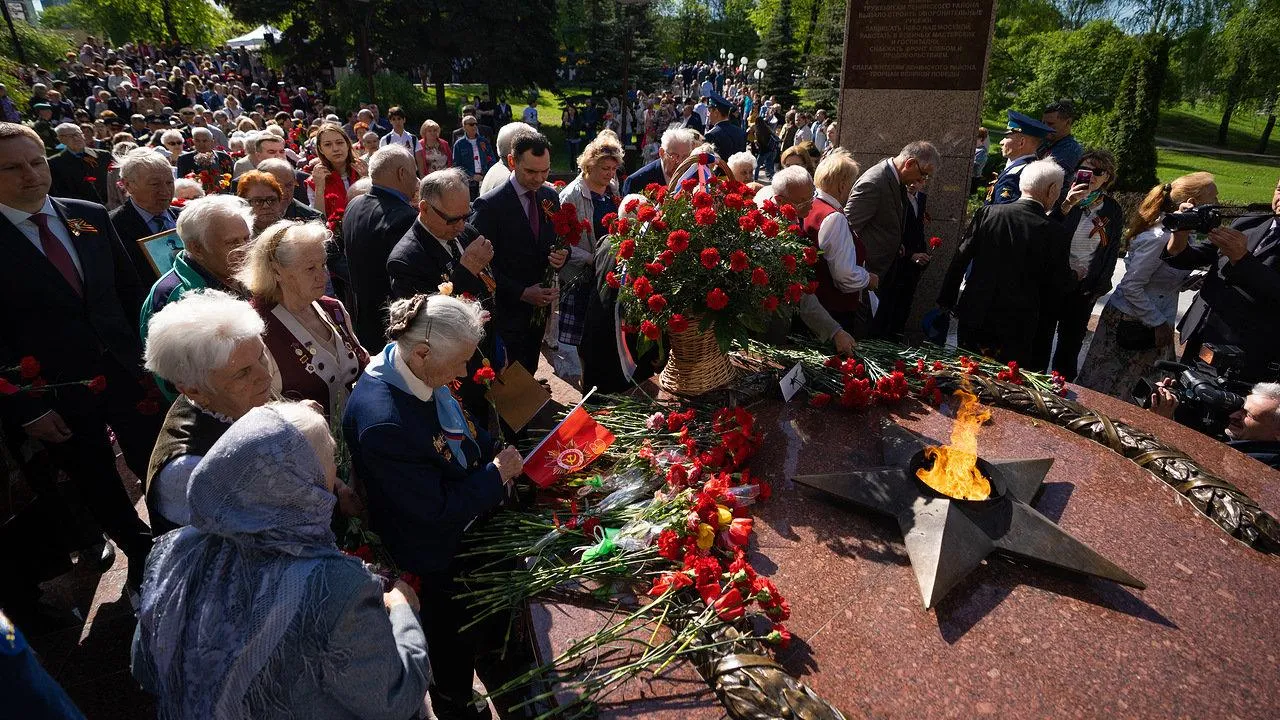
(765, 161)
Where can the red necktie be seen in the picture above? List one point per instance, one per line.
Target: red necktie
(534, 225)
(57, 253)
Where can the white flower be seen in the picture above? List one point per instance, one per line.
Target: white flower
(445, 288)
(656, 422)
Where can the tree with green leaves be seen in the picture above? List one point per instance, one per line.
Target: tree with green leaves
(825, 64)
(1132, 127)
(778, 48)
(191, 22)
(1248, 50)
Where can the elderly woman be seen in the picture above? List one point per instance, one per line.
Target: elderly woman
(1135, 329)
(368, 144)
(433, 152)
(214, 231)
(743, 167)
(309, 335)
(842, 275)
(430, 474)
(1095, 221)
(334, 170)
(263, 193)
(209, 346)
(595, 194)
(172, 142)
(185, 189)
(252, 611)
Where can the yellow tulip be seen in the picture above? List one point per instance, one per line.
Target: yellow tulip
(706, 536)
(724, 515)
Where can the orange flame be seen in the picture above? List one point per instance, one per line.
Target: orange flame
(955, 467)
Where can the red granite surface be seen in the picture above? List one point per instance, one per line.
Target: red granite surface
(1012, 639)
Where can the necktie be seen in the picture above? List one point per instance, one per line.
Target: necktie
(532, 211)
(1268, 241)
(158, 223)
(57, 253)
(454, 251)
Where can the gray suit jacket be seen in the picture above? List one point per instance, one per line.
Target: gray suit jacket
(875, 213)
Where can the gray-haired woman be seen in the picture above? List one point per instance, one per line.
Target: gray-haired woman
(253, 612)
(209, 346)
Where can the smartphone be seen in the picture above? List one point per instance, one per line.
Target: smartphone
(1084, 177)
(1142, 392)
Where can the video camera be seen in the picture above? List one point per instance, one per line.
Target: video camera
(1204, 218)
(1207, 393)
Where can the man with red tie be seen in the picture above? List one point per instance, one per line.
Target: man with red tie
(70, 295)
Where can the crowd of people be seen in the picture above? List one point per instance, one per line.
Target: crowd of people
(244, 272)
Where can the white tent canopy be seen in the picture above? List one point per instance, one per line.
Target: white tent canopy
(254, 38)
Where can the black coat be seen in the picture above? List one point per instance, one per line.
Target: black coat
(728, 139)
(519, 259)
(70, 175)
(418, 264)
(371, 226)
(693, 122)
(130, 227)
(1019, 264)
(1103, 265)
(1237, 303)
(642, 178)
(187, 163)
(69, 334)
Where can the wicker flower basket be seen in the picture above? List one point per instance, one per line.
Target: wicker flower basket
(695, 364)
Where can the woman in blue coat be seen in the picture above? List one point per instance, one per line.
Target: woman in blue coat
(430, 474)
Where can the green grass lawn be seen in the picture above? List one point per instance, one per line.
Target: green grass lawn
(1199, 125)
(1249, 181)
(549, 109)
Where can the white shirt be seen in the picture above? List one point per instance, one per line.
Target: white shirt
(819, 136)
(405, 138)
(1084, 244)
(703, 111)
(22, 220)
(835, 240)
(706, 88)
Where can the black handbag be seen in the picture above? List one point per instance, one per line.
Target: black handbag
(1133, 335)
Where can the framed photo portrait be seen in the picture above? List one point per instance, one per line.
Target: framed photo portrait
(161, 249)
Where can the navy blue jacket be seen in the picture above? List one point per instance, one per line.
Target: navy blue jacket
(420, 499)
(638, 180)
(1007, 187)
(728, 139)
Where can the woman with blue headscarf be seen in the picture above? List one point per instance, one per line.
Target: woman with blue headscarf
(430, 473)
(252, 612)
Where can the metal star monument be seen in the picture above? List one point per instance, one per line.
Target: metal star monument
(947, 538)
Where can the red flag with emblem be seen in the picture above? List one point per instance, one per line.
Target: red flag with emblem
(574, 444)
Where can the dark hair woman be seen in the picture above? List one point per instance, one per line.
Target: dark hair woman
(335, 169)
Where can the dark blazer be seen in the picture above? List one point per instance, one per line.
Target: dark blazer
(1237, 303)
(693, 122)
(130, 227)
(420, 501)
(69, 334)
(418, 264)
(519, 259)
(1019, 263)
(728, 139)
(638, 180)
(1103, 265)
(875, 212)
(71, 175)
(187, 163)
(371, 226)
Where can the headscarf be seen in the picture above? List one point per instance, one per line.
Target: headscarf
(220, 594)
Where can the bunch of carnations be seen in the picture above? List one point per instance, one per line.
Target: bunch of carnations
(706, 255)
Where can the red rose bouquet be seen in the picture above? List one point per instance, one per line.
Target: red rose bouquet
(706, 254)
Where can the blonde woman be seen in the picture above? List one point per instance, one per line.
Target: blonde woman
(595, 194)
(309, 335)
(433, 152)
(1136, 327)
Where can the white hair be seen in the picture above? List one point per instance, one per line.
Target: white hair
(792, 177)
(275, 130)
(276, 165)
(389, 158)
(197, 214)
(249, 139)
(141, 160)
(453, 323)
(195, 335)
(435, 185)
(187, 189)
(672, 136)
(742, 159)
(508, 133)
(1270, 390)
(362, 186)
(309, 421)
(121, 149)
(168, 135)
(281, 243)
(1039, 176)
(201, 132)
(66, 128)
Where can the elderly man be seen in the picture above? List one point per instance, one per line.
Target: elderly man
(214, 231)
(1019, 265)
(1022, 137)
(290, 207)
(184, 340)
(72, 292)
(258, 147)
(473, 153)
(372, 225)
(79, 172)
(148, 180)
(1253, 429)
(499, 173)
(203, 156)
(690, 120)
(676, 145)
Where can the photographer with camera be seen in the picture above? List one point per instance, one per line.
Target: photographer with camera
(1253, 429)
(1237, 305)
(1135, 329)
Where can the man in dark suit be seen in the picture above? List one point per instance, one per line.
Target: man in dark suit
(372, 225)
(690, 120)
(514, 218)
(79, 172)
(1237, 303)
(149, 181)
(203, 156)
(1019, 266)
(73, 296)
(676, 145)
(727, 137)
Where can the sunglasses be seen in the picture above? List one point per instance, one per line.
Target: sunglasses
(448, 219)
(1095, 171)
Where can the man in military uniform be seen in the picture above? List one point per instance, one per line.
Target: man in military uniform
(727, 137)
(1022, 138)
(79, 171)
(43, 126)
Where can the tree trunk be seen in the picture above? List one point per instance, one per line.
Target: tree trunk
(1225, 125)
(814, 6)
(1232, 97)
(166, 8)
(1266, 133)
(441, 109)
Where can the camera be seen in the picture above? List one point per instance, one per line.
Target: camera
(1207, 392)
(1204, 218)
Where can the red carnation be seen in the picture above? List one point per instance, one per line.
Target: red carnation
(788, 211)
(626, 249)
(688, 184)
(652, 187)
(649, 330)
(484, 375)
(770, 303)
(704, 158)
(646, 213)
(29, 367)
(769, 227)
(608, 219)
(729, 606)
(734, 200)
(666, 257)
(642, 287)
(820, 400)
(364, 552)
(655, 269)
(701, 200)
(611, 279)
(678, 323)
(669, 582)
(789, 262)
(759, 277)
(810, 256)
(738, 261)
(705, 216)
(740, 531)
(717, 299)
(669, 545)
(7, 388)
(935, 242)
(657, 303)
(98, 384)
(710, 258)
(747, 223)
(794, 292)
(678, 241)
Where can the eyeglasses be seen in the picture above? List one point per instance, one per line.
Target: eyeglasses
(1094, 170)
(262, 202)
(448, 219)
(469, 124)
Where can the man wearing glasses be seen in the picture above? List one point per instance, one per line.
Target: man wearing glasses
(1022, 137)
(473, 154)
(79, 172)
